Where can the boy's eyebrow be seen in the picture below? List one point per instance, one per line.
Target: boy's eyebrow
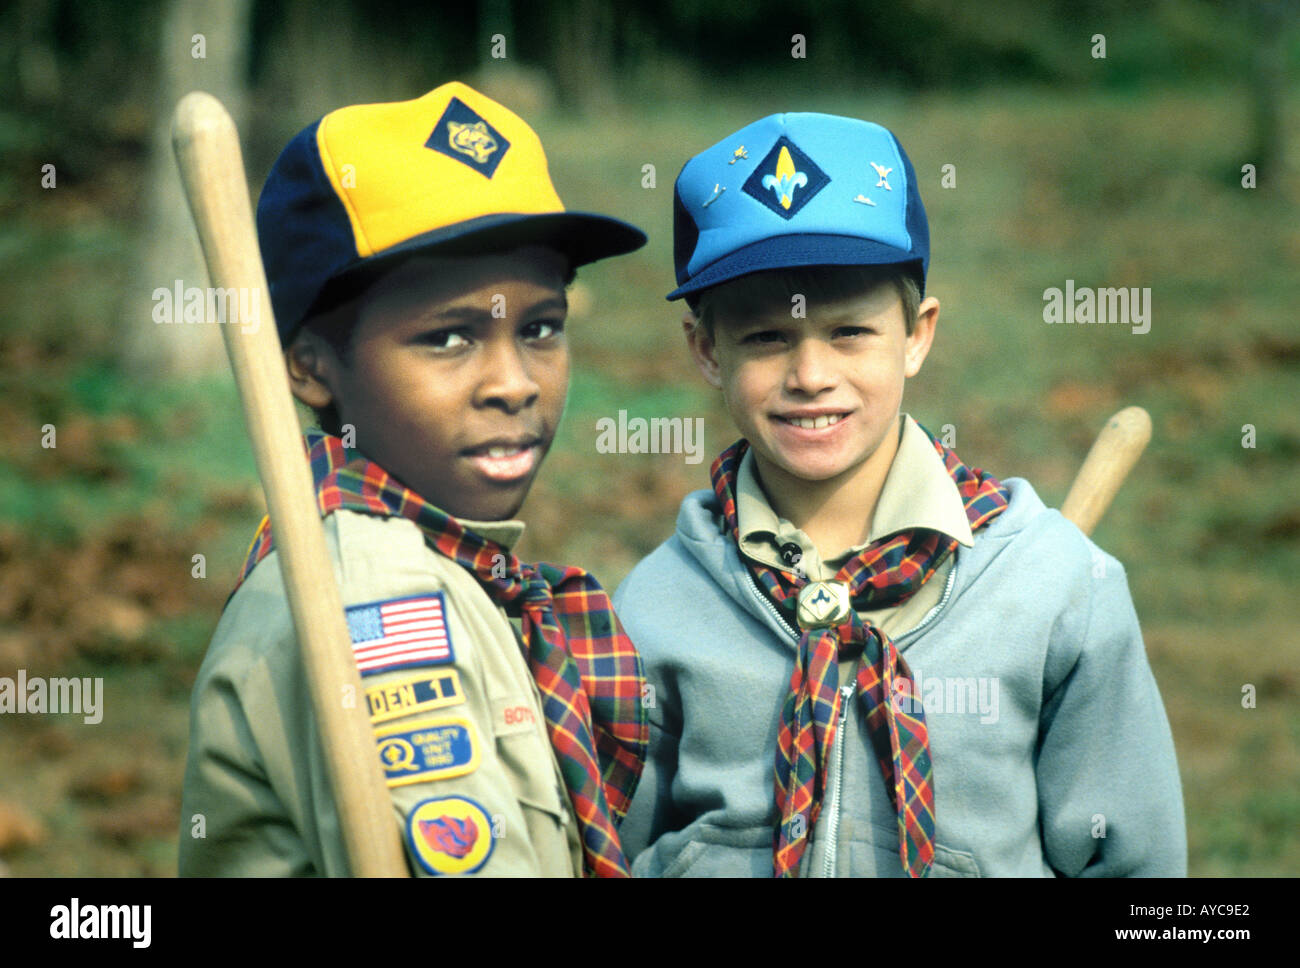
(559, 303)
(752, 324)
(782, 321)
(470, 314)
(850, 317)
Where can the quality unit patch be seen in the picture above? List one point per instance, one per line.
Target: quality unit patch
(449, 835)
(462, 134)
(432, 749)
(415, 694)
(786, 179)
(400, 633)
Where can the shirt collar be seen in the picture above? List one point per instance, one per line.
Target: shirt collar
(505, 533)
(918, 493)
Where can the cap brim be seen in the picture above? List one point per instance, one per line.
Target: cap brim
(798, 251)
(583, 237)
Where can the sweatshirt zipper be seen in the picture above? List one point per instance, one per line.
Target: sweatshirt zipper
(775, 612)
(833, 819)
(934, 612)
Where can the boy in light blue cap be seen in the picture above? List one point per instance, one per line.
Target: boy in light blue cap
(893, 664)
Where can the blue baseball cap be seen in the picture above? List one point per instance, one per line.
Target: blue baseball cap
(797, 190)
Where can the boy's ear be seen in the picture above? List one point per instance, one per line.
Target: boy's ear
(702, 349)
(309, 361)
(922, 337)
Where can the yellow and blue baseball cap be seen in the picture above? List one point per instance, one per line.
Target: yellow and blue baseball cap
(796, 190)
(449, 173)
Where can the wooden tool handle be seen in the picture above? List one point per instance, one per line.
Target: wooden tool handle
(1116, 450)
(212, 169)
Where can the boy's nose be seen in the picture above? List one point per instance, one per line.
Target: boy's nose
(505, 381)
(811, 370)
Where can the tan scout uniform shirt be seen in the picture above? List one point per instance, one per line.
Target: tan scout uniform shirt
(256, 799)
(918, 493)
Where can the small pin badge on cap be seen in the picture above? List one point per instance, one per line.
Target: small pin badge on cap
(823, 604)
(883, 173)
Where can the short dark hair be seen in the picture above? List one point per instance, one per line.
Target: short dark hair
(760, 291)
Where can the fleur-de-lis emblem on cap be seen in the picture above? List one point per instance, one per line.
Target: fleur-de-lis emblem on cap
(786, 179)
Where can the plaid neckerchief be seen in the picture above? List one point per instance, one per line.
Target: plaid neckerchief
(587, 670)
(885, 573)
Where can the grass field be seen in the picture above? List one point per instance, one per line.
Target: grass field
(1135, 190)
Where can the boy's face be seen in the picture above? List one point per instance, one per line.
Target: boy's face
(817, 396)
(456, 376)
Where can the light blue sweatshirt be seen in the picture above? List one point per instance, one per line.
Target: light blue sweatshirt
(1051, 749)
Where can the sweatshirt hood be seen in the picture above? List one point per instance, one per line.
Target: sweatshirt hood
(702, 531)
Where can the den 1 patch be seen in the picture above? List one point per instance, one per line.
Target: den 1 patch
(449, 835)
(432, 749)
(414, 694)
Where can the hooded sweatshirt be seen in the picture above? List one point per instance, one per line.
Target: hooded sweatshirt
(1051, 748)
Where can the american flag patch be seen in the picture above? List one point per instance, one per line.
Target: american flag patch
(400, 633)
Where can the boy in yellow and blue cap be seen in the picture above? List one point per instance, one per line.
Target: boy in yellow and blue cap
(894, 664)
(417, 255)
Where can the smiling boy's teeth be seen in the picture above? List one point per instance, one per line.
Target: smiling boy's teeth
(815, 423)
(510, 464)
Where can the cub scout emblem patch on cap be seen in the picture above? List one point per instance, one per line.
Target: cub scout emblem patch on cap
(450, 835)
(462, 134)
(786, 179)
(414, 694)
(432, 749)
(400, 633)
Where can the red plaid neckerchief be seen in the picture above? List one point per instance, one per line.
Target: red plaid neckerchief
(588, 672)
(885, 573)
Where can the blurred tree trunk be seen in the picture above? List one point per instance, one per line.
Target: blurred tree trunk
(582, 61)
(28, 53)
(319, 55)
(494, 17)
(1269, 20)
(168, 247)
